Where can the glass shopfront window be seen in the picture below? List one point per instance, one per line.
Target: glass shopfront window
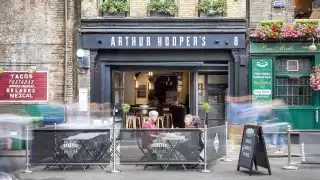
(292, 80)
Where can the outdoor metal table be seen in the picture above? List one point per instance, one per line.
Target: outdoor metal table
(71, 147)
(171, 152)
(84, 149)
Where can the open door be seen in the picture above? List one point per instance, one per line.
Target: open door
(193, 93)
(117, 87)
(212, 88)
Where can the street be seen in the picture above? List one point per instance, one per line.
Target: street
(219, 170)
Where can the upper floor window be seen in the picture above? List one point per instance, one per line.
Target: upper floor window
(307, 9)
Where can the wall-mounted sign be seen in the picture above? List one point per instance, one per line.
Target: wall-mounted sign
(279, 4)
(22, 86)
(262, 79)
(160, 41)
(142, 91)
(279, 47)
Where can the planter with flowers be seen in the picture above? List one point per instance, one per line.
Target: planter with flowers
(300, 30)
(315, 78)
(114, 8)
(212, 8)
(162, 8)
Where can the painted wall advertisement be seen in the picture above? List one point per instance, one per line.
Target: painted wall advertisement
(22, 86)
(262, 79)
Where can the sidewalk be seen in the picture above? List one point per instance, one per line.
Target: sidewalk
(219, 170)
(295, 152)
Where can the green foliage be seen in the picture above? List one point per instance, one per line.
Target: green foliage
(213, 7)
(269, 23)
(115, 6)
(166, 7)
(206, 107)
(126, 108)
(308, 22)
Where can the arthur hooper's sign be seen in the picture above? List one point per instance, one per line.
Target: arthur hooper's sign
(147, 41)
(23, 86)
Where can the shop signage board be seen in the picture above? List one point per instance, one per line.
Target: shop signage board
(280, 48)
(253, 149)
(163, 41)
(262, 79)
(22, 86)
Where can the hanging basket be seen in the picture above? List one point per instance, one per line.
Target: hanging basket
(315, 78)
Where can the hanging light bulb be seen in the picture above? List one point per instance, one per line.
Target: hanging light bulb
(1, 70)
(313, 47)
(32, 69)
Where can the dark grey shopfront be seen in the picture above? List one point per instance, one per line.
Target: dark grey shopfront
(199, 46)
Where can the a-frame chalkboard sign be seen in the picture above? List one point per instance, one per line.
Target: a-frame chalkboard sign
(253, 149)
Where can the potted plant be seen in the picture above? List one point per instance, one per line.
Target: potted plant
(162, 8)
(125, 108)
(212, 8)
(206, 107)
(114, 8)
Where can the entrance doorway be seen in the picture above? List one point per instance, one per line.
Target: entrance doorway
(212, 88)
(162, 90)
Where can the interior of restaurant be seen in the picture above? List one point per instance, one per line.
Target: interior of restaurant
(171, 94)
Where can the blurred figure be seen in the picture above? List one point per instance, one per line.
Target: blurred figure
(243, 111)
(7, 169)
(11, 126)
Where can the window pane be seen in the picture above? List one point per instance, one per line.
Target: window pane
(304, 65)
(293, 91)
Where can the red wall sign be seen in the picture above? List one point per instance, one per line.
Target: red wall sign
(23, 86)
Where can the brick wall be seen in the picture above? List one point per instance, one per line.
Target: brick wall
(138, 8)
(90, 9)
(263, 10)
(32, 31)
(186, 8)
(236, 9)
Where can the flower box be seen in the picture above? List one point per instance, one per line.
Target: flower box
(114, 8)
(205, 15)
(159, 14)
(299, 31)
(162, 8)
(116, 15)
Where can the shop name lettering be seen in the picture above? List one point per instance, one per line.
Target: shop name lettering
(21, 86)
(181, 41)
(281, 48)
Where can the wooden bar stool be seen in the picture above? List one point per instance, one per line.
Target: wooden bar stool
(131, 122)
(160, 120)
(168, 118)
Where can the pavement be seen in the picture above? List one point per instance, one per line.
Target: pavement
(219, 170)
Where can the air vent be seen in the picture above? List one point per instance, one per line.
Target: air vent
(292, 65)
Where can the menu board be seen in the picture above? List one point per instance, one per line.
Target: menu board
(262, 79)
(253, 149)
(142, 91)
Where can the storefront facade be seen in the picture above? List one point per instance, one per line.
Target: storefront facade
(281, 70)
(198, 46)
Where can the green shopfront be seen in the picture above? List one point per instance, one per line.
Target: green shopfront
(282, 71)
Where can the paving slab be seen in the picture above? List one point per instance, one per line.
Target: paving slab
(219, 170)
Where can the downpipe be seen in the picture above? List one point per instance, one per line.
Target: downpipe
(65, 49)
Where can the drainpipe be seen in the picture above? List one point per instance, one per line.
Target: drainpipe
(65, 49)
(248, 36)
